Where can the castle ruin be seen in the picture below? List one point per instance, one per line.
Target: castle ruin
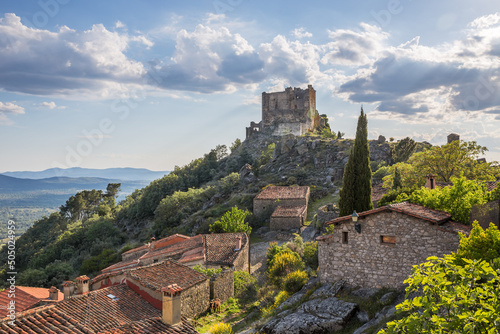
(290, 112)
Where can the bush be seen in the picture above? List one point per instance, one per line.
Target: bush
(480, 244)
(283, 264)
(311, 254)
(280, 298)
(231, 222)
(221, 328)
(245, 285)
(207, 271)
(294, 281)
(272, 251)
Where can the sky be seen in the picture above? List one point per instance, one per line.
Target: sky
(157, 83)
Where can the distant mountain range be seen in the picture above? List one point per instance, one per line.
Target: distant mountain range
(126, 173)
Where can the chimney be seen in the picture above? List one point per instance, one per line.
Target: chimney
(82, 285)
(68, 289)
(152, 243)
(430, 183)
(452, 137)
(238, 244)
(171, 304)
(53, 293)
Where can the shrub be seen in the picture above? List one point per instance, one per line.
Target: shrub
(283, 264)
(221, 328)
(231, 222)
(207, 271)
(280, 298)
(294, 281)
(272, 251)
(311, 254)
(245, 285)
(480, 244)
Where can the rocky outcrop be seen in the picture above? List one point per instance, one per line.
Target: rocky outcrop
(322, 313)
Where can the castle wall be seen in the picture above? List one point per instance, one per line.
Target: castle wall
(292, 111)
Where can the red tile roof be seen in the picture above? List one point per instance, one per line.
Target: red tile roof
(97, 312)
(220, 248)
(410, 209)
(282, 211)
(159, 275)
(25, 298)
(120, 266)
(160, 243)
(281, 192)
(193, 255)
(177, 248)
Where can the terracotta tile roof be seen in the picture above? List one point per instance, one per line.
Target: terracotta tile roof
(282, 192)
(96, 313)
(25, 298)
(160, 243)
(153, 325)
(220, 248)
(120, 266)
(410, 209)
(455, 227)
(177, 248)
(159, 275)
(193, 255)
(282, 211)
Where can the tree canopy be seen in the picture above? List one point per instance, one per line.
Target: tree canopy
(356, 193)
(231, 222)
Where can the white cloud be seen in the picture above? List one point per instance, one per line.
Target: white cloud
(50, 105)
(9, 108)
(119, 24)
(65, 62)
(301, 33)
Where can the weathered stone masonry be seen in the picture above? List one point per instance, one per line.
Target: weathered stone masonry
(362, 259)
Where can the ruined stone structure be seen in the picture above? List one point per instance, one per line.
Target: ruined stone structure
(452, 137)
(285, 206)
(290, 112)
(380, 249)
(222, 285)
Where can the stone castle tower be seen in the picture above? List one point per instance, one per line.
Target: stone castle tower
(290, 112)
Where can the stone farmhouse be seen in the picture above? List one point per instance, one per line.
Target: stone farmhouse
(285, 206)
(116, 309)
(28, 297)
(380, 249)
(209, 250)
(290, 112)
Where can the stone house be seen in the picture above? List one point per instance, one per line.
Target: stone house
(380, 249)
(209, 250)
(290, 112)
(285, 206)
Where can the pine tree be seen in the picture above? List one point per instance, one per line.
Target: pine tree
(356, 193)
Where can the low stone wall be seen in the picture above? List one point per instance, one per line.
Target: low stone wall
(242, 261)
(364, 259)
(326, 213)
(222, 285)
(285, 223)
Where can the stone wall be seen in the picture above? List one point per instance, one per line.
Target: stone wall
(286, 223)
(326, 213)
(361, 259)
(196, 299)
(263, 208)
(242, 260)
(222, 285)
(295, 107)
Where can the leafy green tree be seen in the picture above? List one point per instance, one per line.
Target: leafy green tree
(231, 222)
(403, 150)
(457, 199)
(356, 193)
(450, 298)
(235, 145)
(340, 135)
(480, 244)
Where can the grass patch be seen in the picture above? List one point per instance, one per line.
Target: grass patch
(229, 308)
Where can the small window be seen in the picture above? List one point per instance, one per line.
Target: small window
(155, 260)
(387, 239)
(345, 237)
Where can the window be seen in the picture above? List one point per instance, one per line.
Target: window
(155, 260)
(387, 239)
(345, 237)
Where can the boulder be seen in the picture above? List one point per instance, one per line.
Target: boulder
(365, 292)
(328, 290)
(313, 317)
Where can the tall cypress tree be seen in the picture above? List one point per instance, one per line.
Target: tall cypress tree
(356, 193)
